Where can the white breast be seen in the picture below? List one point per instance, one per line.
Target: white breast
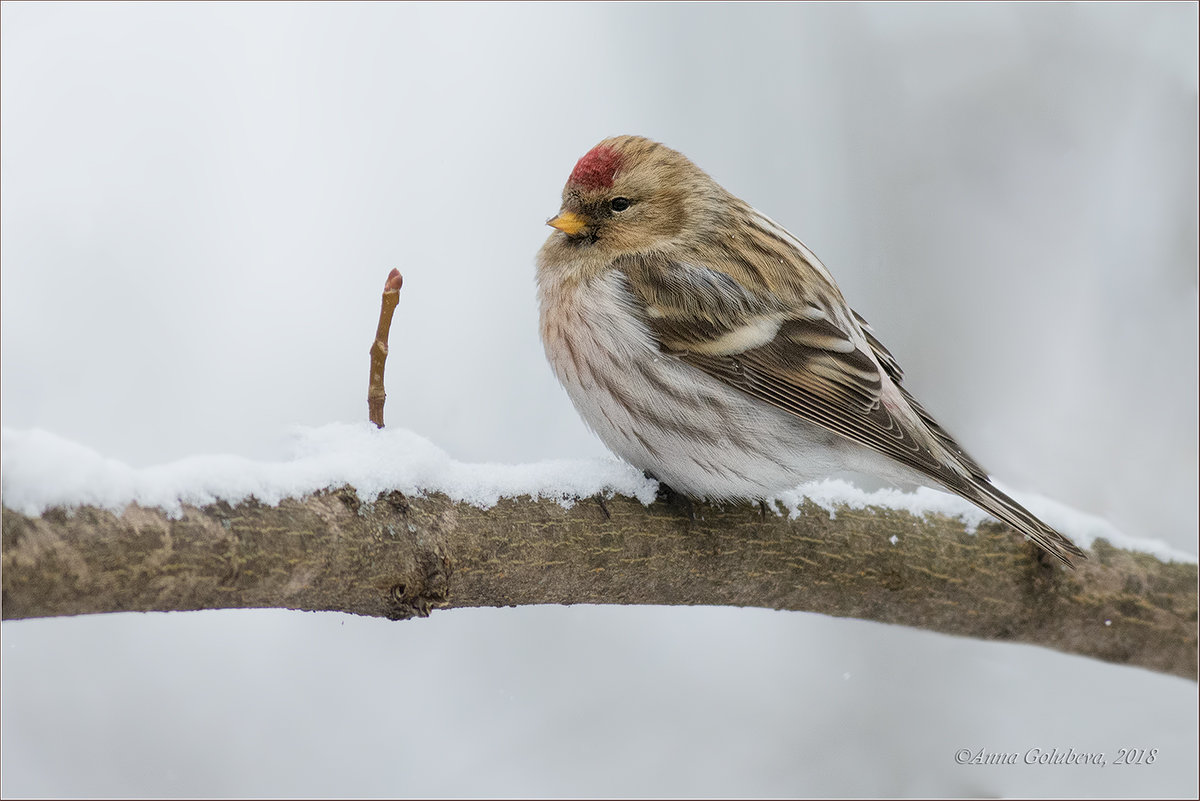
(689, 430)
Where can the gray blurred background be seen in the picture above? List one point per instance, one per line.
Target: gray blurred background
(201, 202)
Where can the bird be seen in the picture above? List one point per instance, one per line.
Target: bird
(709, 347)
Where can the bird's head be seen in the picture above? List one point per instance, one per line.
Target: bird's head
(631, 195)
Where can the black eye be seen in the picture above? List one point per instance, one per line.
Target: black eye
(619, 203)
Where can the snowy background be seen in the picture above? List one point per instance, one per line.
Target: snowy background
(201, 202)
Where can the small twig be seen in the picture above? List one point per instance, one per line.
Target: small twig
(379, 348)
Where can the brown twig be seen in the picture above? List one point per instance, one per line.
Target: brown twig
(379, 348)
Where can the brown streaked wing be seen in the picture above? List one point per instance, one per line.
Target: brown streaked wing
(808, 365)
(803, 363)
(793, 391)
(812, 353)
(877, 429)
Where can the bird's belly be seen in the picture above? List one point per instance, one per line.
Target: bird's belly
(687, 429)
(711, 444)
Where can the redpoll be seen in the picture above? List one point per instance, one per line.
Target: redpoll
(709, 347)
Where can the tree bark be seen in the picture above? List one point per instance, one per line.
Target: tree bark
(401, 556)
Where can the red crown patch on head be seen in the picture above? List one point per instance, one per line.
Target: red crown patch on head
(597, 168)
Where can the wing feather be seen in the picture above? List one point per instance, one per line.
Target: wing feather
(797, 346)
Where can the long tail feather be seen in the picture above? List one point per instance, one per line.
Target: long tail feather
(1005, 508)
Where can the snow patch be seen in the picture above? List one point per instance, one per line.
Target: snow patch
(1082, 528)
(1085, 529)
(833, 493)
(41, 470)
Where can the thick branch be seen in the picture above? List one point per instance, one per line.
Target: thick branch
(401, 556)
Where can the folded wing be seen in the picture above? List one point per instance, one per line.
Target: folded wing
(800, 349)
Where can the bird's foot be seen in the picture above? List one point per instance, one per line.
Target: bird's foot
(671, 497)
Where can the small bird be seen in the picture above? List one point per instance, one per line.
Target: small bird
(707, 346)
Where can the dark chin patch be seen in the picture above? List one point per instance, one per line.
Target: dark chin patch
(596, 169)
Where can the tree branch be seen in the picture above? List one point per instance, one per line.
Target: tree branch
(401, 556)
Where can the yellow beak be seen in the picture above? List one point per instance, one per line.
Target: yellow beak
(568, 222)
